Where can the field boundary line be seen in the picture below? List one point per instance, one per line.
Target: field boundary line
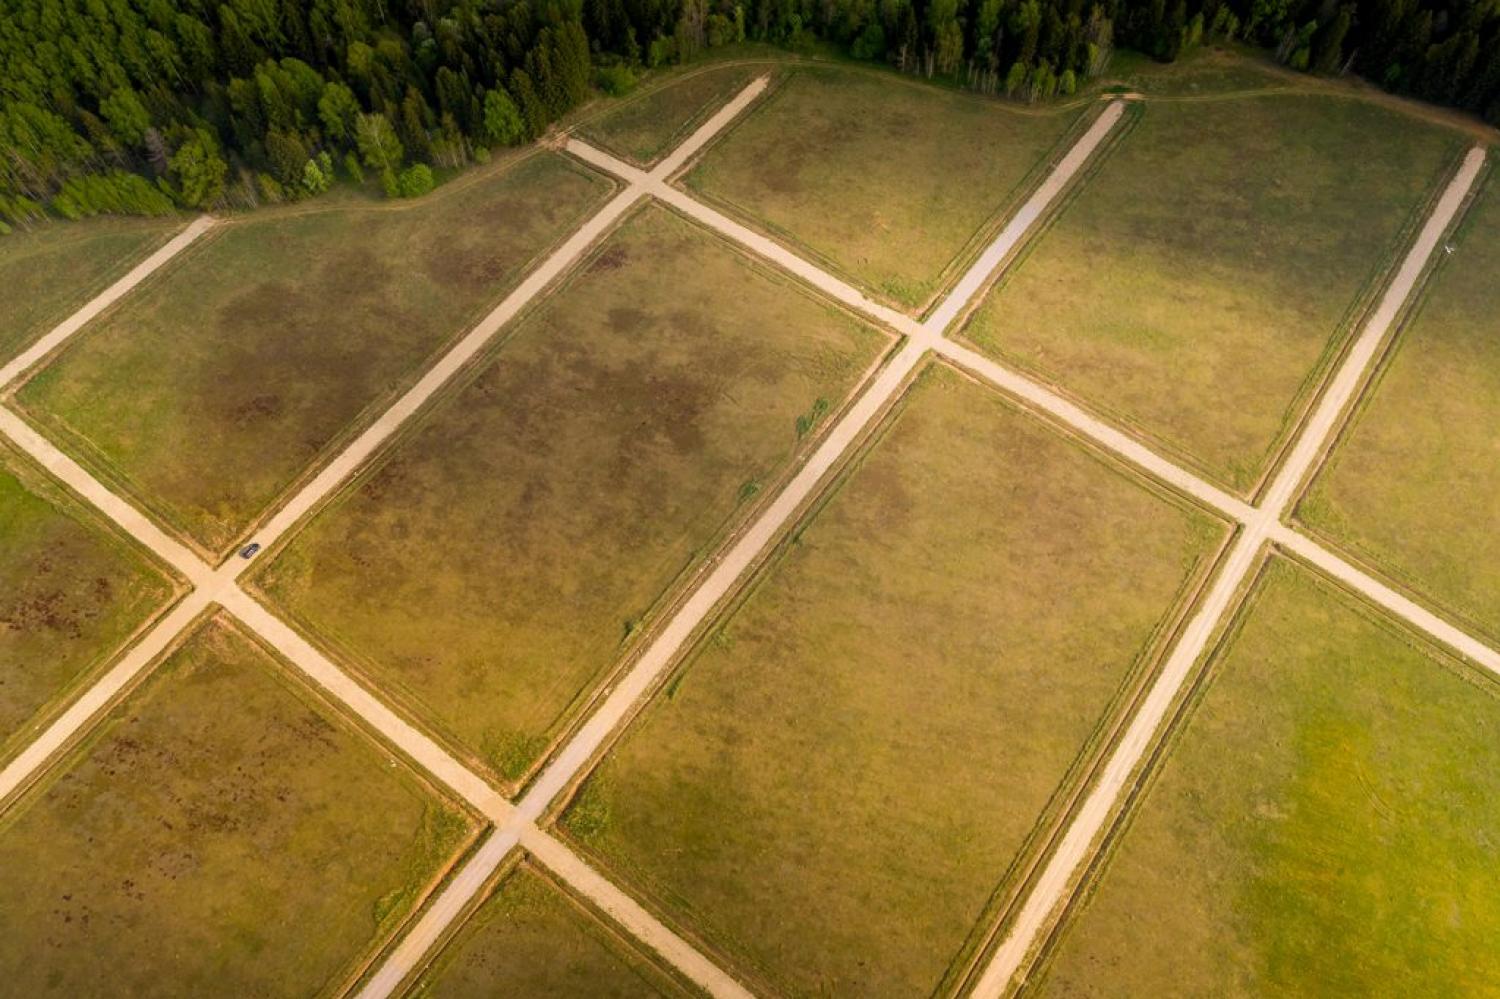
(1060, 876)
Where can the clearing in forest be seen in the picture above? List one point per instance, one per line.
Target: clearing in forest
(1323, 822)
(220, 833)
(645, 126)
(530, 938)
(834, 785)
(1200, 284)
(50, 271)
(893, 183)
(518, 542)
(211, 390)
(1414, 485)
(72, 593)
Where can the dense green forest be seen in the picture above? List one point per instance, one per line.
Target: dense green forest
(144, 106)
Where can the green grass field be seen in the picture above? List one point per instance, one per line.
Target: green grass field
(209, 392)
(513, 548)
(51, 271)
(1197, 286)
(530, 939)
(1324, 825)
(1415, 484)
(837, 784)
(72, 593)
(645, 126)
(1207, 73)
(888, 181)
(219, 834)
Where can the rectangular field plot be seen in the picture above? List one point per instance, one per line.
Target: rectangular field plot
(646, 126)
(72, 594)
(1414, 485)
(52, 271)
(531, 939)
(1324, 823)
(888, 181)
(512, 549)
(210, 391)
(220, 834)
(1202, 280)
(838, 789)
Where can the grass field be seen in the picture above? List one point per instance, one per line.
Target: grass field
(71, 594)
(516, 545)
(882, 179)
(1324, 825)
(210, 391)
(220, 834)
(1198, 284)
(530, 939)
(1415, 484)
(647, 125)
(1204, 73)
(51, 271)
(833, 789)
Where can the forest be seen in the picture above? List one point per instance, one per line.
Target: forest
(150, 106)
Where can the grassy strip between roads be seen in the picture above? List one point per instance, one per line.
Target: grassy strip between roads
(72, 593)
(1200, 283)
(50, 272)
(521, 540)
(646, 126)
(888, 181)
(1324, 823)
(221, 833)
(210, 391)
(1414, 485)
(832, 790)
(531, 939)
